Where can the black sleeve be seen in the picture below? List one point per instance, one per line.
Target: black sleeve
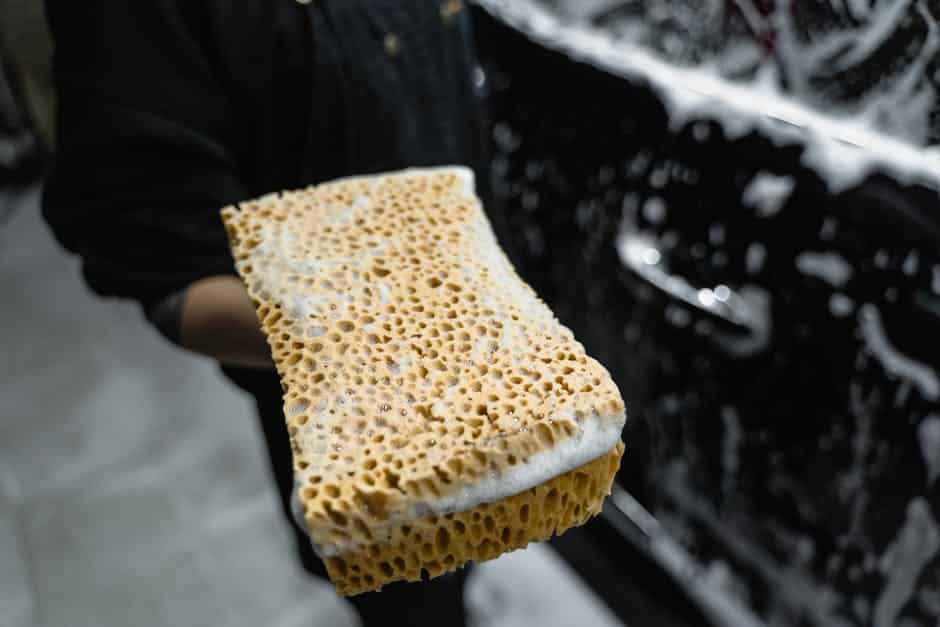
(144, 152)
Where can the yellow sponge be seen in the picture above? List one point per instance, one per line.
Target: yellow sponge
(438, 411)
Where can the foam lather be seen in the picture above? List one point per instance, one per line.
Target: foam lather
(438, 411)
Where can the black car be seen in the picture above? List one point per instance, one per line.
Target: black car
(734, 207)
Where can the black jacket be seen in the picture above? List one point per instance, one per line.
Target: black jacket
(171, 109)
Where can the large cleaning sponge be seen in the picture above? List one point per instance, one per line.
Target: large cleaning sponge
(438, 411)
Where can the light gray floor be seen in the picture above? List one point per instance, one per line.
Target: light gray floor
(133, 486)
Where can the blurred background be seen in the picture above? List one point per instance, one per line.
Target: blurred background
(733, 204)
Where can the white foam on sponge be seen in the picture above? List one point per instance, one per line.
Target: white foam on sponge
(598, 434)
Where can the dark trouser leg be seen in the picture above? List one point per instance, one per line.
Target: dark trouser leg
(438, 602)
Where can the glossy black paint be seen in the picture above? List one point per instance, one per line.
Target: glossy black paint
(794, 471)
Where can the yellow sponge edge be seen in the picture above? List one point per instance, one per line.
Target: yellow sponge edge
(440, 544)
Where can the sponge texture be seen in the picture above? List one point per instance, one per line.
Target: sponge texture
(437, 409)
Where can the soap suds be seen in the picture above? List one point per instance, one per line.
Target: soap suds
(928, 434)
(893, 361)
(844, 149)
(916, 544)
(831, 267)
(767, 193)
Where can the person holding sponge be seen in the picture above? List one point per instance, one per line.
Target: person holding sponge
(169, 110)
